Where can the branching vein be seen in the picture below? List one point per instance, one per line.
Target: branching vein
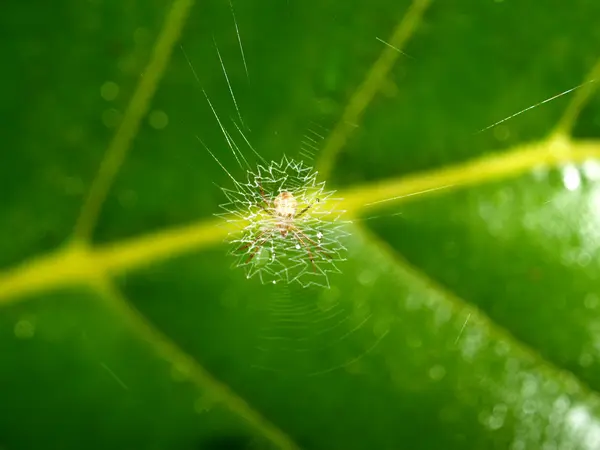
(76, 263)
(371, 84)
(136, 110)
(172, 353)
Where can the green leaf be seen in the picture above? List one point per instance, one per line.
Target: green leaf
(466, 314)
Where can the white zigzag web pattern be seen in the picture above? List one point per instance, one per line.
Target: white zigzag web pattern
(307, 254)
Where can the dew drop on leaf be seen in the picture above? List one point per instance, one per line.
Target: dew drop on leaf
(437, 372)
(24, 329)
(591, 301)
(109, 91)
(158, 119)
(571, 177)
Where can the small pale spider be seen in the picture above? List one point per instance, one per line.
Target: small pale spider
(283, 209)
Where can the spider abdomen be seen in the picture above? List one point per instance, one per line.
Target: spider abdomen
(291, 229)
(285, 205)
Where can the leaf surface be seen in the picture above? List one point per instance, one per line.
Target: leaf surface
(466, 317)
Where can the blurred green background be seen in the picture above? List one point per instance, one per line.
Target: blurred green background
(468, 319)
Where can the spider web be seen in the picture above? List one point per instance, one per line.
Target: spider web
(311, 332)
(302, 329)
(312, 248)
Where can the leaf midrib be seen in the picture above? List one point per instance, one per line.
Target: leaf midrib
(80, 262)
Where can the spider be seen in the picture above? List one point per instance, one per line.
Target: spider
(284, 210)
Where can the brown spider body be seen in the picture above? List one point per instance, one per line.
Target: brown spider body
(284, 210)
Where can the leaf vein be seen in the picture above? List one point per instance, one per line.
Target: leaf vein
(136, 110)
(75, 263)
(567, 121)
(477, 315)
(176, 356)
(369, 87)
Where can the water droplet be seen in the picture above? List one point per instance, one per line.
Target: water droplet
(582, 422)
(495, 420)
(529, 407)
(367, 277)
(571, 177)
(24, 329)
(471, 343)
(109, 91)
(158, 119)
(412, 303)
(518, 443)
(591, 301)
(562, 404)
(501, 132)
(442, 315)
(584, 258)
(591, 169)
(437, 372)
(529, 387)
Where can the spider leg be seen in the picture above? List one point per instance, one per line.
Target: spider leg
(267, 208)
(250, 244)
(256, 249)
(306, 247)
(306, 208)
(315, 244)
